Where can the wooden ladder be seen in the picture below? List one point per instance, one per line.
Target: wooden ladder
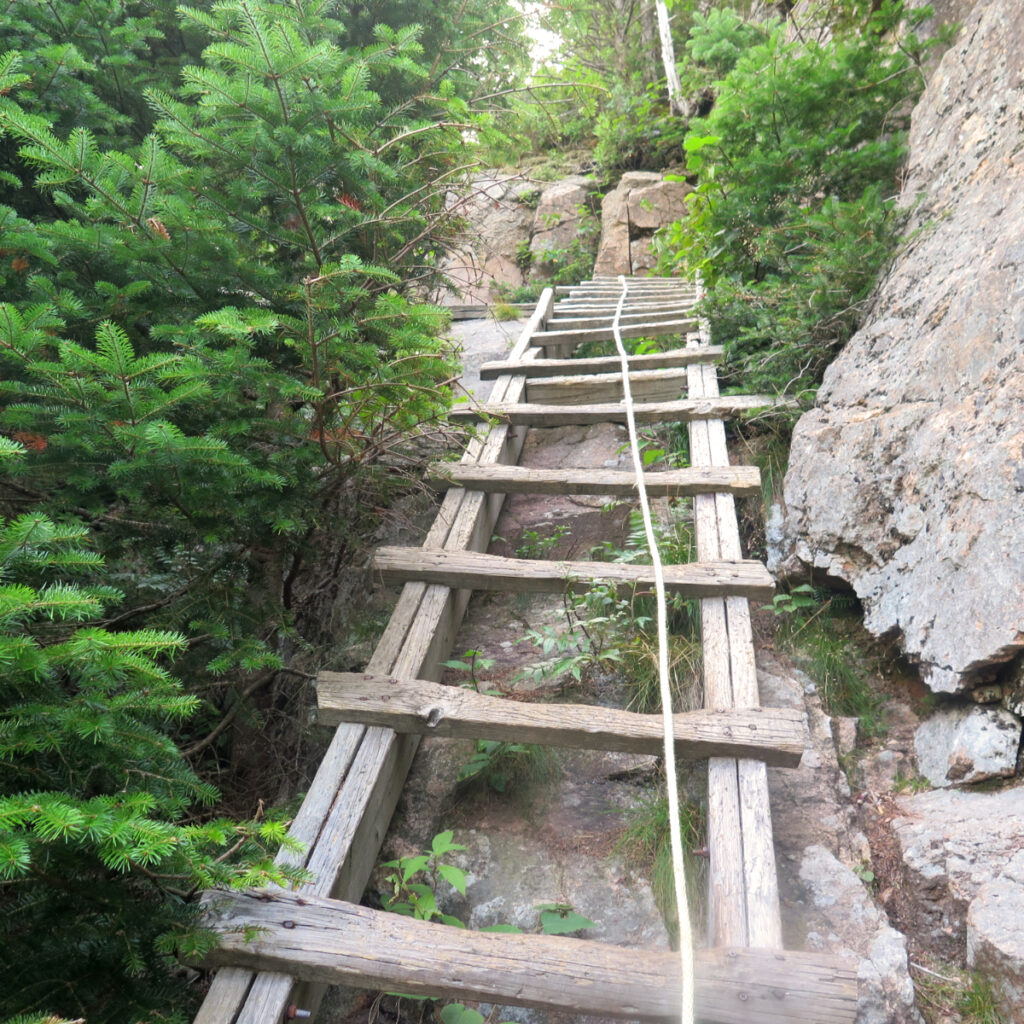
(281, 948)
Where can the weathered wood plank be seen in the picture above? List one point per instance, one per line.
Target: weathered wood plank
(226, 996)
(608, 293)
(475, 571)
(481, 311)
(632, 279)
(420, 706)
(334, 942)
(605, 308)
(669, 483)
(682, 411)
(633, 290)
(633, 302)
(742, 876)
(648, 329)
(601, 364)
(662, 385)
(573, 322)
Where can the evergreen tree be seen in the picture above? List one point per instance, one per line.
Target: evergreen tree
(797, 166)
(216, 225)
(99, 852)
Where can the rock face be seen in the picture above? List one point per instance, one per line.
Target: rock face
(907, 477)
(995, 935)
(557, 217)
(641, 203)
(851, 923)
(825, 906)
(953, 846)
(499, 225)
(967, 744)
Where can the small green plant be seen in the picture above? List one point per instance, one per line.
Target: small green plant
(457, 1013)
(570, 652)
(412, 881)
(534, 544)
(524, 255)
(815, 628)
(864, 873)
(977, 1003)
(504, 311)
(473, 663)
(945, 992)
(498, 765)
(611, 632)
(793, 602)
(561, 919)
(911, 784)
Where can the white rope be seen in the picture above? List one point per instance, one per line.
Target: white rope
(675, 834)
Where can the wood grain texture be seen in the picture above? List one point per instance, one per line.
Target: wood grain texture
(612, 290)
(744, 897)
(669, 483)
(334, 942)
(601, 364)
(226, 996)
(574, 322)
(476, 571)
(427, 708)
(682, 411)
(646, 329)
(605, 308)
(663, 385)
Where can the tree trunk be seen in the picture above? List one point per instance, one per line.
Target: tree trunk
(668, 58)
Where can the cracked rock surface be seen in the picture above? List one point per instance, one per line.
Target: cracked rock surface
(907, 477)
(825, 905)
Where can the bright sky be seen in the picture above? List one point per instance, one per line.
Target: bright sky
(544, 43)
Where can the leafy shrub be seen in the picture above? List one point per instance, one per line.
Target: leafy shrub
(797, 165)
(719, 37)
(635, 130)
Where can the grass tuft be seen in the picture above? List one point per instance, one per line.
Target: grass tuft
(646, 847)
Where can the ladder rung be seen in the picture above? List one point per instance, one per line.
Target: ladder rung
(317, 939)
(471, 570)
(681, 411)
(641, 330)
(612, 288)
(645, 386)
(603, 364)
(606, 308)
(565, 323)
(774, 736)
(744, 481)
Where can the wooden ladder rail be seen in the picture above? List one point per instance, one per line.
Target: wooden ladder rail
(743, 883)
(347, 810)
